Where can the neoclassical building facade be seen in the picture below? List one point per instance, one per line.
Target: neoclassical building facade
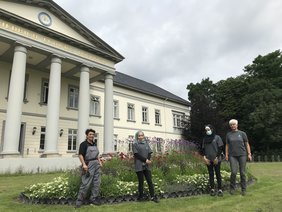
(57, 79)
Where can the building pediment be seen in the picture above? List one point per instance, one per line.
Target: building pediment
(48, 18)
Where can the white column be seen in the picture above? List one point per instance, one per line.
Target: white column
(53, 110)
(15, 101)
(108, 114)
(83, 104)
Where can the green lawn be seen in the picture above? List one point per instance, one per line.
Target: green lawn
(264, 195)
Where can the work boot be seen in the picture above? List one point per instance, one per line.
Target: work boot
(220, 193)
(95, 201)
(212, 192)
(155, 199)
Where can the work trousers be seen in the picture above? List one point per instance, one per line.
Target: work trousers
(92, 179)
(234, 161)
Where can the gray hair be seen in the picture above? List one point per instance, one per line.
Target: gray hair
(137, 133)
(233, 121)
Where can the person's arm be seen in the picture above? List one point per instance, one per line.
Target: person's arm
(139, 157)
(100, 161)
(249, 151)
(84, 166)
(207, 161)
(226, 152)
(219, 151)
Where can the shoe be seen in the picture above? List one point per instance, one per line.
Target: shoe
(212, 192)
(155, 199)
(140, 199)
(77, 206)
(232, 192)
(95, 202)
(220, 193)
(243, 193)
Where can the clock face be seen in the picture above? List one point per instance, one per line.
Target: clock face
(44, 19)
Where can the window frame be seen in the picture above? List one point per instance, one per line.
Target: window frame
(72, 133)
(145, 115)
(130, 112)
(178, 117)
(116, 109)
(76, 96)
(158, 112)
(44, 92)
(96, 105)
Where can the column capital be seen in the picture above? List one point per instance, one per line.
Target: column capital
(56, 59)
(20, 48)
(84, 68)
(109, 75)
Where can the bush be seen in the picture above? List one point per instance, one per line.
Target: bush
(171, 172)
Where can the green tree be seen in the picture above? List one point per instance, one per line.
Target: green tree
(262, 105)
(203, 107)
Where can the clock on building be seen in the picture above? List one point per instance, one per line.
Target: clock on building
(45, 19)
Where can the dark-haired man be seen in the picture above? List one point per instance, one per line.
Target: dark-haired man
(90, 168)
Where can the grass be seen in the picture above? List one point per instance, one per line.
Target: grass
(264, 195)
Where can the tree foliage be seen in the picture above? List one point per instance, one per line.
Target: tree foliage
(254, 98)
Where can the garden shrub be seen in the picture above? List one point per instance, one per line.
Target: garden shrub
(176, 171)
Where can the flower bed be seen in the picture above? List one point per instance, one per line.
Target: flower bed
(175, 174)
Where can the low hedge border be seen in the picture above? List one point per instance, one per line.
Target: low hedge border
(126, 198)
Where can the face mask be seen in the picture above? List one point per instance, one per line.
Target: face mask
(208, 132)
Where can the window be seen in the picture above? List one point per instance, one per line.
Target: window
(25, 87)
(177, 119)
(130, 112)
(72, 138)
(94, 105)
(159, 144)
(42, 138)
(157, 117)
(145, 114)
(44, 92)
(73, 97)
(116, 109)
(115, 142)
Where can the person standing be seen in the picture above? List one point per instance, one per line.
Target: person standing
(212, 148)
(142, 160)
(237, 151)
(90, 168)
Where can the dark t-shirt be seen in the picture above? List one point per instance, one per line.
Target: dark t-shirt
(211, 149)
(83, 147)
(236, 141)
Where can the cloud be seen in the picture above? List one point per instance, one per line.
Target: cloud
(173, 43)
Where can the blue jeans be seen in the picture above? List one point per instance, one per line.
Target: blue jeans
(234, 161)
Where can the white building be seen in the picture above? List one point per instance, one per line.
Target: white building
(57, 78)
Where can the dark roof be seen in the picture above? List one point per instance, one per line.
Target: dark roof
(127, 81)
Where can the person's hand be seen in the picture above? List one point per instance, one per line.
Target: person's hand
(85, 167)
(250, 157)
(226, 157)
(207, 161)
(148, 161)
(215, 161)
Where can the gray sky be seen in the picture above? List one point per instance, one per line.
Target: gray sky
(172, 43)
